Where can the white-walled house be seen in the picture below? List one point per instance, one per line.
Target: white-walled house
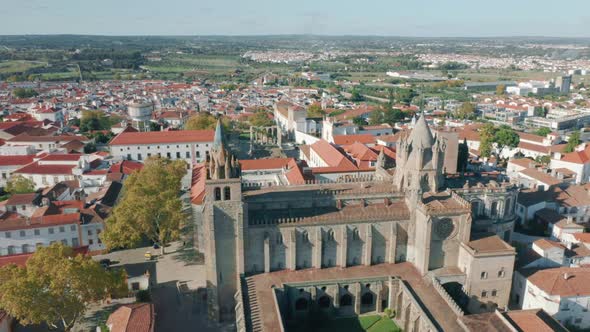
(192, 146)
(564, 293)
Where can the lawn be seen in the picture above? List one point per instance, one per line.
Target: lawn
(19, 66)
(369, 323)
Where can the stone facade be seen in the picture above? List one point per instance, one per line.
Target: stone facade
(401, 215)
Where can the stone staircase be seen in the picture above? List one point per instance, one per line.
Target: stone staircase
(252, 310)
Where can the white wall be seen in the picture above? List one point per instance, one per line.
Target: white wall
(44, 237)
(185, 151)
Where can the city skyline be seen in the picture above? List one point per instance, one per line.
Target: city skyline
(425, 18)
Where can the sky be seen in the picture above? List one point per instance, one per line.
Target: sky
(415, 18)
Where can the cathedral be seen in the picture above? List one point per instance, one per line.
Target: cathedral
(402, 239)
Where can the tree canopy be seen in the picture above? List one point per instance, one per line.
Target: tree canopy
(500, 89)
(466, 111)
(24, 93)
(544, 131)
(260, 118)
(96, 120)
(18, 184)
(203, 121)
(486, 135)
(56, 286)
(506, 137)
(315, 111)
(573, 142)
(150, 208)
(386, 115)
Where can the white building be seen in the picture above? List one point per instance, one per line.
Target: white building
(192, 146)
(563, 293)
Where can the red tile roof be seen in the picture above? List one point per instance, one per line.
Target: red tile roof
(15, 160)
(270, 163)
(349, 139)
(163, 137)
(199, 177)
(578, 157)
(331, 156)
(563, 281)
(135, 317)
(36, 168)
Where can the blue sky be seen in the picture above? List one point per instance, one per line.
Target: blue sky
(436, 18)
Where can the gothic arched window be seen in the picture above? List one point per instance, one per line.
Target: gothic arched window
(217, 193)
(226, 193)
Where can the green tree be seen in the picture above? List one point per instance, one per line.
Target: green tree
(544, 131)
(356, 96)
(359, 121)
(573, 142)
(315, 111)
(150, 208)
(506, 137)
(95, 120)
(462, 156)
(56, 286)
(260, 119)
(486, 139)
(90, 148)
(18, 184)
(201, 121)
(466, 111)
(24, 93)
(545, 160)
(500, 89)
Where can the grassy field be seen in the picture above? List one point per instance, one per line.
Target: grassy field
(369, 323)
(19, 66)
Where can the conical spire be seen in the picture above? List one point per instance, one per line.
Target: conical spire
(421, 136)
(218, 138)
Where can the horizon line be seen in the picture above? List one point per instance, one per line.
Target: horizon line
(288, 35)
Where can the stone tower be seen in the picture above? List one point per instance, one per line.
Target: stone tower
(420, 160)
(223, 220)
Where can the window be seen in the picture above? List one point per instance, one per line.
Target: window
(62, 229)
(73, 228)
(37, 232)
(55, 179)
(129, 156)
(484, 294)
(178, 155)
(149, 155)
(11, 250)
(51, 230)
(7, 235)
(226, 193)
(198, 154)
(484, 275)
(75, 242)
(217, 191)
(188, 155)
(139, 156)
(168, 155)
(494, 293)
(89, 232)
(135, 286)
(25, 248)
(90, 241)
(64, 242)
(23, 207)
(23, 233)
(501, 273)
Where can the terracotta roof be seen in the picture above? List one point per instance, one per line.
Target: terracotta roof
(578, 157)
(490, 244)
(534, 320)
(60, 138)
(582, 237)
(349, 139)
(36, 168)
(163, 137)
(548, 244)
(530, 137)
(135, 317)
(485, 322)
(21, 199)
(563, 281)
(332, 156)
(540, 176)
(270, 163)
(199, 176)
(523, 162)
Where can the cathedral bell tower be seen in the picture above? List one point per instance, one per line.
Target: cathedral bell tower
(420, 158)
(223, 220)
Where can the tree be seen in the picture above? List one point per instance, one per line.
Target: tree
(315, 111)
(544, 131)
(462, 156)
(466, 111)
(500, 89)
(260, 119)
(18, 184)
(506, 137)
(545, 160)
(201, 121)
(56, 286)
(486, 139)
(95, 120)
(24, 93)
(90, 148)
(359, 121)
(150, 208)
(356, 96)
(573, 142)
